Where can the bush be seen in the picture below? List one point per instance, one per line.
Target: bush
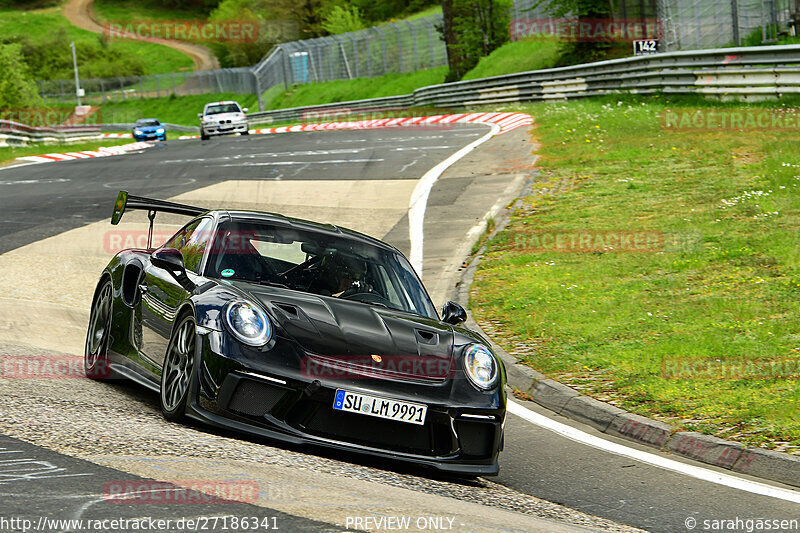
(343, 20)
(17, 88)
(28, 4)
(52, 58)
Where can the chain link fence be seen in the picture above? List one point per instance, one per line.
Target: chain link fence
(698, 24)
(99, 90)
(403, 46)
(411, 45)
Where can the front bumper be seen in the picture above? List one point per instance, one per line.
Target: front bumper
(150, 137)
(462, 433)
(228, 128)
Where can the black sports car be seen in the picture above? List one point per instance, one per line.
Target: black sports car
(301, 332)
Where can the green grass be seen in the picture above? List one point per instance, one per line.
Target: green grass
(40, 25)
(126, 11)
(10, 153)
(159, 59)
(427, 12)
(175, 110)
(721, 288)
(356, 89)
(517, 56)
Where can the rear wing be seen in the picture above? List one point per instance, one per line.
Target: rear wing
(152, 206)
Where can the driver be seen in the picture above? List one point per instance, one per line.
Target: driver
(348, 275)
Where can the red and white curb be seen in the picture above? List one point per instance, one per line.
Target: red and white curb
(103, 151)
(117, 135)
(506, 122)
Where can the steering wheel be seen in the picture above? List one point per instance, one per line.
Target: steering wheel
(302, 266)
(369, 296)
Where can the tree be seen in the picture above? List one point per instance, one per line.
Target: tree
(309, 17)
(586, 11)
(342, 20)
(275, 25)
(472, 29)
(17, 88)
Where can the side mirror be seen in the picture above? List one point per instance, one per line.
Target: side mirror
(199, 115)
(171, 260)
(244, 110)
(452, 313)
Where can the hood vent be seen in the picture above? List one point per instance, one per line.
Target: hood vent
(427, 337)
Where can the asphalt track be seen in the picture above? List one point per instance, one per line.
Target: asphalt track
(37, 484)
(40, 201)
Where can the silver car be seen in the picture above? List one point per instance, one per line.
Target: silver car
(223, 118)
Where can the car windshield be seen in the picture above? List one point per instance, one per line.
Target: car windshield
(222, 108)
(319, 263)
(148, 122)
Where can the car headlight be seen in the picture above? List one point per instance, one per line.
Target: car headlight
(138, 132)
(160, 130)
(248, 323)
(480, 366)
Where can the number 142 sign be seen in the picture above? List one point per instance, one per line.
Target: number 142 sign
(645, 47)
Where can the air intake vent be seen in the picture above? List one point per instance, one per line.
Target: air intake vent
(475, 438)
(254, 398)
(290, 310)
(427, 337)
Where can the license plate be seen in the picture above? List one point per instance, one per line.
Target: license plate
(353, 402)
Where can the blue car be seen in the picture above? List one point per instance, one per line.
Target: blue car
(149, 129)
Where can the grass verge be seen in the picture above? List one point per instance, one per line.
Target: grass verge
(356, 89)
(517, 56)
(688, 328)
(10, 153)
(175, 109)
(130, 12)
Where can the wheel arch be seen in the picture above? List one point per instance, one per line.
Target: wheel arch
(186, 308)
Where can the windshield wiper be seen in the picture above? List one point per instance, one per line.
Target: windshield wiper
(272, 284)
(378, 304)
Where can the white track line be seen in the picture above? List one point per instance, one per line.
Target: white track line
(652, 459)
(419, 198)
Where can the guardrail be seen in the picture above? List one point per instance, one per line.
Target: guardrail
(749, 73)
(18, 134)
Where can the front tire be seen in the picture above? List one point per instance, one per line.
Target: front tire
(95, 355)
(203, 136)
(178, 370)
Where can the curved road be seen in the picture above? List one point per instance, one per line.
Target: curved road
(81, 14)
(54, 238)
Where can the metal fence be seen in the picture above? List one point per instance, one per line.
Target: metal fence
(698, 24)
(408, 46)
(404, 46)
(98, 90)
